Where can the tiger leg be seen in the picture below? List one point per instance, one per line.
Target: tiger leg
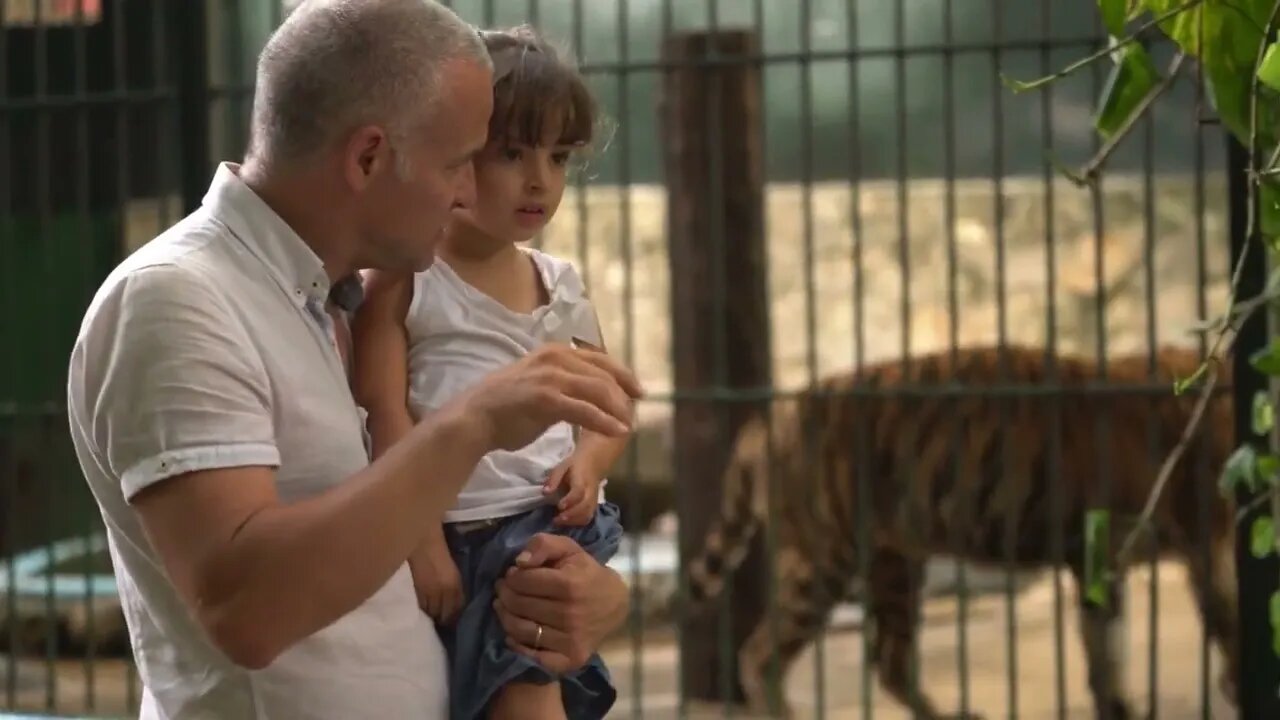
(798, 615)
(1214, 588)
(896, 584)
(1101, 629)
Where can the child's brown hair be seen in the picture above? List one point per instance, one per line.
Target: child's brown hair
(535, 88)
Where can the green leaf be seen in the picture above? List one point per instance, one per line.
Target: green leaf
(1185, 27)
(1264, 417)
(1240, 469)
(1269, 69)
(1133, 77)
(1229, 92)
(1267, 360)
(1266, 468)
(1233, 35)
(1262, 537)
(1269, 206)
(1222, 34)
(1114, 14)
(1275, 622)
(1096, 575)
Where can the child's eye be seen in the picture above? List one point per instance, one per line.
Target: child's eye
(512, 154)
(560, 158)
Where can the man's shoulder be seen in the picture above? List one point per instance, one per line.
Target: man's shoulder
(198, 244)
(186, 263)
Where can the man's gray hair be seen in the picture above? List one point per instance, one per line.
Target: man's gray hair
(334, 65)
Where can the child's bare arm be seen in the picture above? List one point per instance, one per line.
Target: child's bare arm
(380, 383)
(380, 367)
(600, 451)
(592, 459)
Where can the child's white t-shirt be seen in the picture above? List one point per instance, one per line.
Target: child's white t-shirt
(457, 335)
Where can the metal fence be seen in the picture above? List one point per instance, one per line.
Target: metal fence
(907, 207)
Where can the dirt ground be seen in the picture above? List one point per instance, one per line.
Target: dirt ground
(840, 694)
(648, 682)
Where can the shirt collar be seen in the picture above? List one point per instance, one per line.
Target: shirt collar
(293, 264)
(348, 293)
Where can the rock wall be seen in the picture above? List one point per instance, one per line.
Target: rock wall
(1148, 257)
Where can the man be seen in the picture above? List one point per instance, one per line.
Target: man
(260, 556)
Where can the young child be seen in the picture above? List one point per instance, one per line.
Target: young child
(484, 303)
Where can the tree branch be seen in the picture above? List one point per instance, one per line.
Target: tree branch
(1088, 174)
(1017, 86)
(1162, 480)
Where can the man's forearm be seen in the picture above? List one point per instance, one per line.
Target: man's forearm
(297, 568)
(386, 426)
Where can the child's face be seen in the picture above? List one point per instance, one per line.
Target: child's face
(518, 188)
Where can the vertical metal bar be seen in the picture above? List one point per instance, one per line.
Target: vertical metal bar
(997, 181)
(1057, 501)
(237, 92)
(904, 258)
(953, 334)
(44, 223)
(192, 69)
(6, 293)
(1204, 492)
(806, 191)
(900, 136)
(818, 467)
(771, 475)
(119, 54)
(579, 47)
(86, 257)
(190, 111)
(488, 14)
(682, 705)
(623, 150)
(861, 510)
(1102, 423)
(581, 181)
(120, 84)
(535, 14)
(1153, 437)
(171, 175)
(1116, 587)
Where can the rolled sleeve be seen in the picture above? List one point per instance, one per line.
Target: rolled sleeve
(169, 381)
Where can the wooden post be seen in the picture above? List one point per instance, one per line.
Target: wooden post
(714, 161)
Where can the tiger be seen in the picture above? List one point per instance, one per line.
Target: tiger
(794, 471)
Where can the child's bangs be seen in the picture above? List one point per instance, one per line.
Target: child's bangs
(541, 96)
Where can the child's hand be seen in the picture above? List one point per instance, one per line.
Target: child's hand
(581, 491)
(438, 584)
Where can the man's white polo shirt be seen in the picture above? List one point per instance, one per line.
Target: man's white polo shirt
(208, 347)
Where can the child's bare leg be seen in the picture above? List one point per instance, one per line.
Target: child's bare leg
(527, 701)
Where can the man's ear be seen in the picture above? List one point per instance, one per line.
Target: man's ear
(367, 153)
